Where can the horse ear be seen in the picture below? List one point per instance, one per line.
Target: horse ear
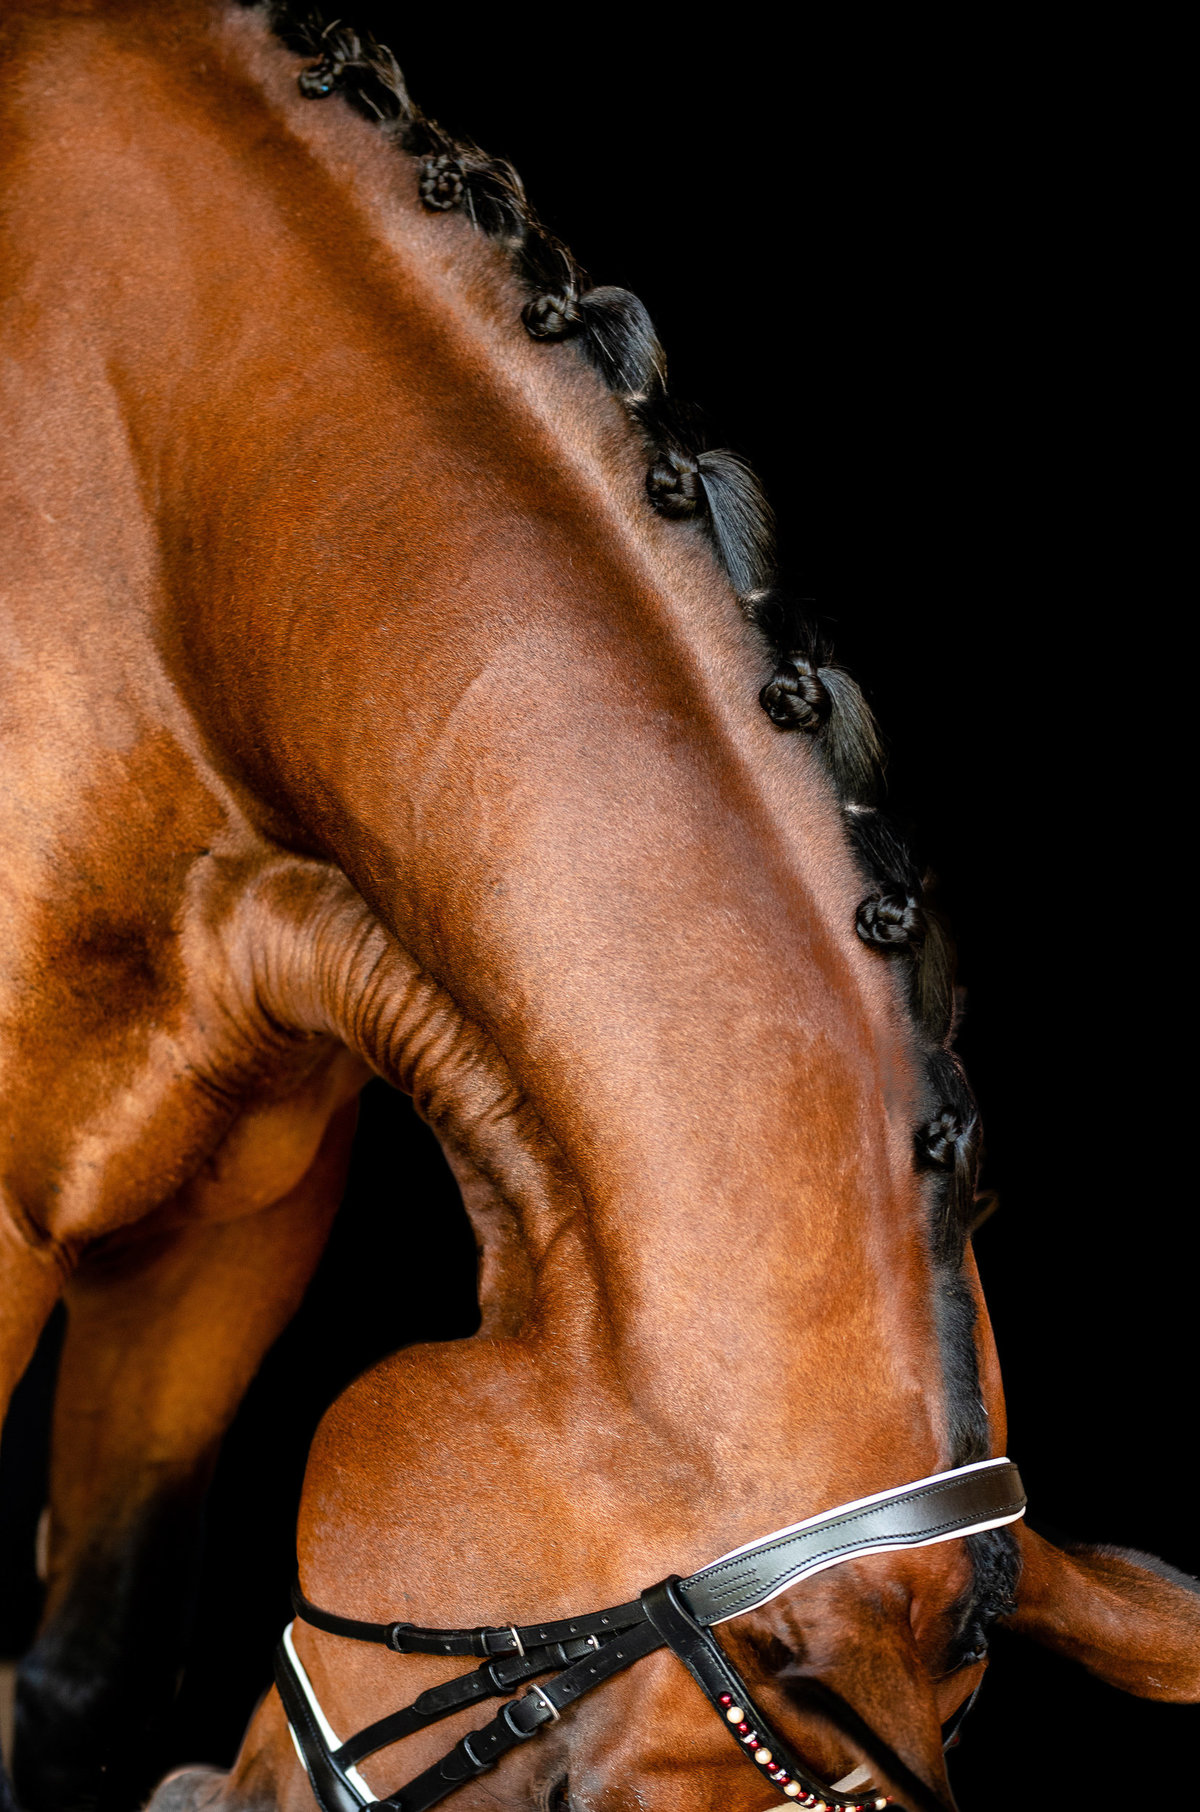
(1125, 1616)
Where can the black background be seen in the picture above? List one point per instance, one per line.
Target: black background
(925, 279)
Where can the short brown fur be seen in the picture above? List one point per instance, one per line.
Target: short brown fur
(361, 717)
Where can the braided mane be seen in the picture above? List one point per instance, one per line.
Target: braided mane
(688, 479)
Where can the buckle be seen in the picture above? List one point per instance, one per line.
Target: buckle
(533, 1701)
(477, 1762)
(535, 1692)
(511, 1638)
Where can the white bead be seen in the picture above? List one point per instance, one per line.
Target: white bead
(735, 1714)
(793, 1789)
(762, 1757)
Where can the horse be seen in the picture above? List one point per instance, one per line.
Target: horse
(397, 683)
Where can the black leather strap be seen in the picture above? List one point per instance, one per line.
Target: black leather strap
(726, 1690)
(610, 1658)
(487, 1640)
(475, 1753)
(718, 1679)
(332, 1791)
(952, 1728)
(926, 1513)
(491, 1681)
(521, 1719)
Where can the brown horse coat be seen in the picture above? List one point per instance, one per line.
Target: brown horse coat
(360, 716)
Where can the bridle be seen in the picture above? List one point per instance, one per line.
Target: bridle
(677, 1613)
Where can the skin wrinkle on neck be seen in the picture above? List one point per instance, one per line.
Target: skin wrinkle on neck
(372, 994)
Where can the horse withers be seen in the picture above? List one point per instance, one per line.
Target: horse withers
(395, 683)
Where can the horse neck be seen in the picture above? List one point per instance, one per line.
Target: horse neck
(419, 607)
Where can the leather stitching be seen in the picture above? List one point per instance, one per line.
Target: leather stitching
(745, 1564)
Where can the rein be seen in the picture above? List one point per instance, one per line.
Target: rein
(677, 1613)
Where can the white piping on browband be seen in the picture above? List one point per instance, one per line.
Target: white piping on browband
(883, 1547)
(857, 1503)
(862, 1503)
(352, 1775)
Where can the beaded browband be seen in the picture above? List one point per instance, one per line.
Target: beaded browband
(677, 1613)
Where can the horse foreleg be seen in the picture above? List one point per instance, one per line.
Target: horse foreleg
(165, 1331)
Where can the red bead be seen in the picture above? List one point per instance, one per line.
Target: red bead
(726, 1698)
(742, 1729)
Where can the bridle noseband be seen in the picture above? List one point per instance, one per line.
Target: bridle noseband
(676, 1614)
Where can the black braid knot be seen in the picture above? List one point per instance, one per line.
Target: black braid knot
(441, 183)
(796, 697)
(940, 1141)
(890, 919)
(551, 317)
(321, 77)
(673, 484)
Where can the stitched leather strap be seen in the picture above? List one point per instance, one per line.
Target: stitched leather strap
(717, 1678)
(759, 1740)
(932, 1511)
(331, 1790)
(487, 1640)
(492, 1680)
(521, 1719)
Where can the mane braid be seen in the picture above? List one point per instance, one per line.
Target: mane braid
(688, 479)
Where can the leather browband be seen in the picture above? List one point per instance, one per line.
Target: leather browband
(677, 1613)
(934, 1509)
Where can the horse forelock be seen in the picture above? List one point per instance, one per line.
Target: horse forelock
(689, 479)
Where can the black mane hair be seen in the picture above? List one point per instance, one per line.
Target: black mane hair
(688, 479)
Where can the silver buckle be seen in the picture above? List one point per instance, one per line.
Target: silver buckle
(555, 1714)
(512, 1630)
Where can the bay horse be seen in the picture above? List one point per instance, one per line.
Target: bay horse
(396, 683)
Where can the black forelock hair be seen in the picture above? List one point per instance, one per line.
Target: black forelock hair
(688, 479)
